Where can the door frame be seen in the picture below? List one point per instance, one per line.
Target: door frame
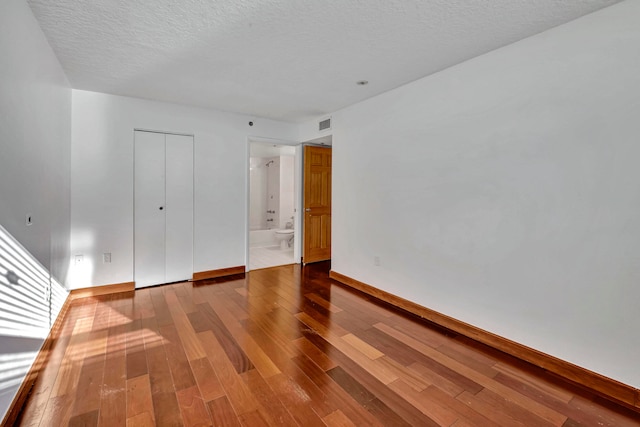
(297, 203)
(302, 184)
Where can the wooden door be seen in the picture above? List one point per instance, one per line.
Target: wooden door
(317, 204)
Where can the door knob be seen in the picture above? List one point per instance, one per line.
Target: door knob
(308, 210)
(161, 207)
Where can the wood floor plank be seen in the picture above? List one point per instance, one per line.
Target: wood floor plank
(502, 404)
(390, 346)
(269, 405)
(437, 362)
(429, 376)
(136, 363)
(286, 323)
(335, 396)
(409, 376)
(276, 349)
(58, 411)
(312, 352)
(192, 407)
(88, 390)
(338, 419)
(166, 410)
(287, 346)
(177, 359)
(323, 302)
(592, 413)
(544, 412)
(295, 399)
(190, 343)
(385, 403)
(87, 419)
(364, 348)
(510, 371)
(238, 393)
(379, 371)
(160, 307)
(159, 371)
(470, 358)
(480, 406)
(69, 374)
(434, 394)
(222, 413)
(257, 356)
(139, 396)
(207, 380)
(253, 419)
(144, 419)
(208, 320)
(441, 415)
(113, 394)
(35, 406)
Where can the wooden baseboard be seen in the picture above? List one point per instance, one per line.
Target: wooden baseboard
(41, 360)
(213, 274)
(599, 384)
(102, 290)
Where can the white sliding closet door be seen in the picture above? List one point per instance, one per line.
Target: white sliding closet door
(163, 222)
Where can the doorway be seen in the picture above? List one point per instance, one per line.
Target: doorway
(273, 236)
(163, 208)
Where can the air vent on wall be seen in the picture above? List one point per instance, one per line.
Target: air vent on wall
(325, 124)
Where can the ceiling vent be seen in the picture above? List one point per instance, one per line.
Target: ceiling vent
(325, 124)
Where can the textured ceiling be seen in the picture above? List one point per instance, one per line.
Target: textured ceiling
(283, 59)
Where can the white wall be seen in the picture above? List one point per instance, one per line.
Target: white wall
(102, 180)
(505, 192)
(35, 111)
(35, 140)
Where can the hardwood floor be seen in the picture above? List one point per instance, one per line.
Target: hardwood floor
(286, 346)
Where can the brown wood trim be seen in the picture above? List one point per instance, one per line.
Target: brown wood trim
(212, 274)
(604, 386)
(41, 360)
(102, 290)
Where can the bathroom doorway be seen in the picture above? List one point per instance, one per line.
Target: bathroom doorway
(273, 200)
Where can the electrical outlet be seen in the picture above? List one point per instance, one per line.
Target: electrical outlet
(78, 259)
(376, 260)
(106, 257)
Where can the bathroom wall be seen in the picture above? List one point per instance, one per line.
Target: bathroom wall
(286, 190)
(257, 194)
(273, 191)
(272, 187)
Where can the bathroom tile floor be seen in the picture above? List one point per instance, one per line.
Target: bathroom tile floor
(269, 256)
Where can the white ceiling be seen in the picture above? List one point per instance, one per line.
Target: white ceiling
(283, 59)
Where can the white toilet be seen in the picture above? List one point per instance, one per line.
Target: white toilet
(285, 237)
